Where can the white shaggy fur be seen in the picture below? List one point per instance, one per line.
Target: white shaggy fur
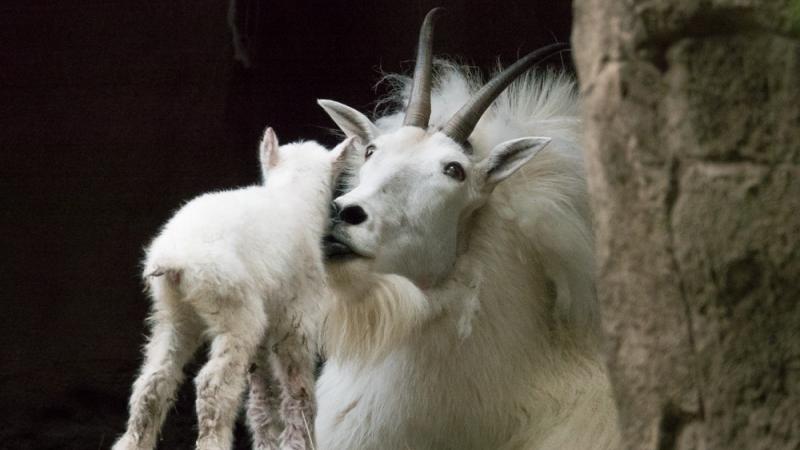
(242, 268)
(500, 349)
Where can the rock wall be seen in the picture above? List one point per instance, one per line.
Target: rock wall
(692, 112)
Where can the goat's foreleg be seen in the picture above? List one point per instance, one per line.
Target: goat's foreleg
(221, 382)
(262, 405)
(174, 339)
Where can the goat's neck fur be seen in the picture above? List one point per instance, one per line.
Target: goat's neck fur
(504, 353)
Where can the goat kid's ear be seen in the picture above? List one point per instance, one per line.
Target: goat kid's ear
(268, 151)
(352, 122)
(507, 157)
(342, 154)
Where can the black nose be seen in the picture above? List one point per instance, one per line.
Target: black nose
(353, 215)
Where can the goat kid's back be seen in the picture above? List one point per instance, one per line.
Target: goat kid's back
(227, 241)
(251, 241)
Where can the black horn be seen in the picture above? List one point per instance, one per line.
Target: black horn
(463, 122)
(419, 104)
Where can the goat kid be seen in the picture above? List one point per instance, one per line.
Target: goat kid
(244, 269)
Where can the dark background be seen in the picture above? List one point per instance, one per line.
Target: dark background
(114, 112)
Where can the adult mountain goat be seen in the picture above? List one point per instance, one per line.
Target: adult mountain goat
(467, 316)
(244, 269)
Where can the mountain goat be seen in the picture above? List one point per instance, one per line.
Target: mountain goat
(462, 254)
(245, 269)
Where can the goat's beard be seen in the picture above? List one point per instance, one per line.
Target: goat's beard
(350, 278)
(371, 313)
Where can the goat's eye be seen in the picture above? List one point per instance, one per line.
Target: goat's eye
(370, 151)
(454, 171)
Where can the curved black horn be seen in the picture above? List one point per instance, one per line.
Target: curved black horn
(419, 104)
(463, 122)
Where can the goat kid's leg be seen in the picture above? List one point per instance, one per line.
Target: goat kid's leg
(174, 339)
(262, 404)
(221, 382)
(293, 363)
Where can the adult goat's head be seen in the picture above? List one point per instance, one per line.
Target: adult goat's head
(417, 186)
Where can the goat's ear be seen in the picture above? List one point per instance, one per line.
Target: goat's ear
(268, 151)
(352, 122)
(507, 157)
(342, 154)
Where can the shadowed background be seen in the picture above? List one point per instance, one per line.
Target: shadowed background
(113, 113)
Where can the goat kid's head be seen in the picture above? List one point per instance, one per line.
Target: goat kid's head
(417, 185)
(281, 165)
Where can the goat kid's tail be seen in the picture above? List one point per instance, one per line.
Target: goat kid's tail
(173, 276)
(163, 281)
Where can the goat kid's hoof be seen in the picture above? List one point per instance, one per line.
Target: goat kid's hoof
(266, 446)
(127, 442)
(212, 444)
(295, 444)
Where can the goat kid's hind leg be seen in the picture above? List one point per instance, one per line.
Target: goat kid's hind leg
(262, 403)
(221, 382)
(293, 363)
(174, 338)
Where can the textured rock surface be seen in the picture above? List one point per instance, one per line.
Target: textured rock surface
(692, 113)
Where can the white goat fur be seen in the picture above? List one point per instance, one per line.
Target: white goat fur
(244, 269)
(506, 352)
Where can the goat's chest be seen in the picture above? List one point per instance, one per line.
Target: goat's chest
(401, 405)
